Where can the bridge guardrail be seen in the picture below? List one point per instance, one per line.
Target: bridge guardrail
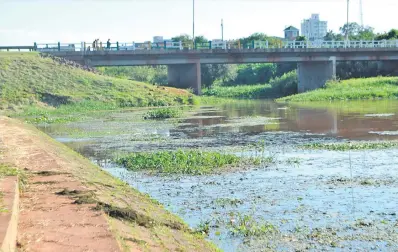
(170, 45)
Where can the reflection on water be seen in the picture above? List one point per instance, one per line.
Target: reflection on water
(349, 120)
(339, 121)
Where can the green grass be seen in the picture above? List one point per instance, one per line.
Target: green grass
(6, 170)
(244, 91)
(350, 146)
(193, 162)
(162, 113)
(353, 89)
(34, 84)
(280, 86)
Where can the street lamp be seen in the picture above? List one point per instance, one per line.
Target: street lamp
(222, 30)
(193, 21)
(347, 25)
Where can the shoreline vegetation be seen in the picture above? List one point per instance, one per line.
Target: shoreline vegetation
(277, 87)
(350, 146)
(353, 89)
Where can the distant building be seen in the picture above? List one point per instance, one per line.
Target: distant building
(157, 39)
(314, 29)
(291, 33)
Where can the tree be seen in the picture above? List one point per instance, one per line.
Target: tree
(184, 38)
(392, 34)
(219, 72)
(352, 28)
(201, 39)
(331, 36)
(301, 38)
(357, 32)
(258, 36)
(366, 33)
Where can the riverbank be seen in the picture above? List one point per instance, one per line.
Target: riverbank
(70, 202)
(353, 89)
(37, 84)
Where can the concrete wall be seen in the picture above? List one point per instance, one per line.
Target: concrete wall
(313, 75)
(185, 76)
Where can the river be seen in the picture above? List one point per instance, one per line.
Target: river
(313, 199)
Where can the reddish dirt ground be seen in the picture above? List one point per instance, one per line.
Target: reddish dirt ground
(47, 221)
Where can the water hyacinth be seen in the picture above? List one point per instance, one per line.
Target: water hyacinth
(193, 162)
(162, 113)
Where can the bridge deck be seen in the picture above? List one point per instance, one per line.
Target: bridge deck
(230, 56)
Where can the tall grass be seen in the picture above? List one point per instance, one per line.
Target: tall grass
(353, 89)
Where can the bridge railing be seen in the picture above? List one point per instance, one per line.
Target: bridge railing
(17, 48)
(342, 44)
(61, 47)
(219, 45)
(226, 45)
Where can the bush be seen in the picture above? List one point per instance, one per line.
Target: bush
(286, 84)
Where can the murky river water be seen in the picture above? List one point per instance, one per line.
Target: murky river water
(316, 199)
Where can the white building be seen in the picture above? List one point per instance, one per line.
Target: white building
(314, 29)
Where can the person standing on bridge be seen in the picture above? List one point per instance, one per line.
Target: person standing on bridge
(108, 44)
(94, 42)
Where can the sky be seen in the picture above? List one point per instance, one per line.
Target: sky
(23, 22)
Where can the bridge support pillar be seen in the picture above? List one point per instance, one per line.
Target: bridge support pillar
(185, 76)
(313, 75)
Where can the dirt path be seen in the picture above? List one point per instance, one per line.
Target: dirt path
(51, 222)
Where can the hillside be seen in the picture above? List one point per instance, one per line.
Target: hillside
(352, 89)
(28, 79)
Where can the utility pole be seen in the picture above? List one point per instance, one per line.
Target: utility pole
(222, 30)
(347, 26)
(193, 22)
(361, 12)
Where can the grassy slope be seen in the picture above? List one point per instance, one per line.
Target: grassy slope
(28, 79)
(353, 89)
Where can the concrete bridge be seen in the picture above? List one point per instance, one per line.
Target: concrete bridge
(316, 64)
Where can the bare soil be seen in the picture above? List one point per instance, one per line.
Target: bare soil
(49, 222)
